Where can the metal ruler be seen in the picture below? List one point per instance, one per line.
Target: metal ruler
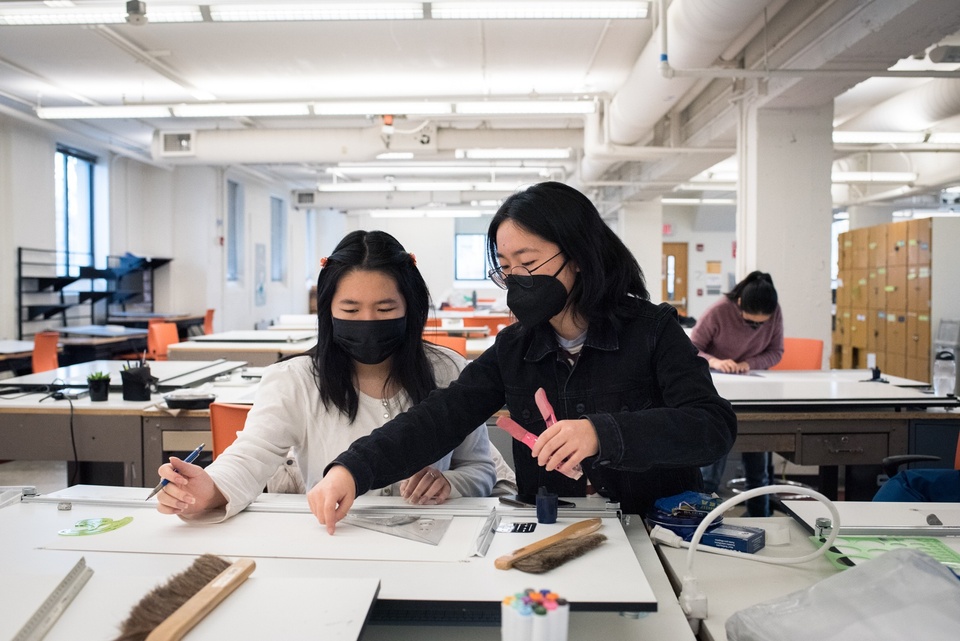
(47, 614)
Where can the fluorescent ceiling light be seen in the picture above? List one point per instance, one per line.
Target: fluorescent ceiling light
(706, 185)
(118, 111)
(525, 107)
(698, 201)
(552, 9)
(396, 213)
(841, 215)
(114, 14)
(434, 170)
(945, 138)
(873, 177)
(510, 154)
(429, 213)
(416, 186)
(395, 155)
(233, 110)
(381, 108)
(878, 137)
(316, 11)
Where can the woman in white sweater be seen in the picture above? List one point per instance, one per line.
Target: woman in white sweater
(369, 365)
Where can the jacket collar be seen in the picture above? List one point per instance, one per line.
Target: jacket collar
(600, 335)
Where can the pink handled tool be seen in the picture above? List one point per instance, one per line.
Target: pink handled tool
(516, 430)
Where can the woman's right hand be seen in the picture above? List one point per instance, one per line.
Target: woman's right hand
(728, 366)
(190, 489)
(332, 497)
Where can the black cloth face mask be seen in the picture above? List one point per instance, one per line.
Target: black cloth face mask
(545, 298)
(369, 342)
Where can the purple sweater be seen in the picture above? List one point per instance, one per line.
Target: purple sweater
(722, 333)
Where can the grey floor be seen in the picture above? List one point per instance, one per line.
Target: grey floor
(46, 476)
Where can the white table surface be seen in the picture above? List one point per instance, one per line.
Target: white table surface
(732, 584)
(27, 528)
(256, 336)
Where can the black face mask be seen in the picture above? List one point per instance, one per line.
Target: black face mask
(545, 298)
(369, 342)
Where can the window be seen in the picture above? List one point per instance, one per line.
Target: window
(73, 173)
(234, 231)
(471, 257)
(278, 239)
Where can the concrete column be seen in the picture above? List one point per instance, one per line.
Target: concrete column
(784, 210)
(641, 230)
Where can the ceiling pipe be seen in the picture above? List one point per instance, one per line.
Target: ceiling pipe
(702, 30)
(598, 148)
(913, 110)
(669, 71)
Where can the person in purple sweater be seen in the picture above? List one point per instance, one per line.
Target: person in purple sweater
(743, 331)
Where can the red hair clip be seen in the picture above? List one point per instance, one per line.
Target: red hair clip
(413, 257)
(323, 262)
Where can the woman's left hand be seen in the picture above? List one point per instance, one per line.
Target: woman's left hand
(565, 444)
(427, 487)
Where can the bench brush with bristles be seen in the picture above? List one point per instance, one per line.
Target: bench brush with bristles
(553, 551)
(172, 609)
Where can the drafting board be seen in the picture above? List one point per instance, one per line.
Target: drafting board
(609, 578)
(170, 374)
(320, 607)
(255, 336)
(880, 517)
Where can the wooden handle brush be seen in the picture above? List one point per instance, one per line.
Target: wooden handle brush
(575, 531)
(169, 611)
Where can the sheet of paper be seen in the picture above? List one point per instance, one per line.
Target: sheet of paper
(261, 535)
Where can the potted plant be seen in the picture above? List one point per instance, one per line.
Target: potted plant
(99, 385)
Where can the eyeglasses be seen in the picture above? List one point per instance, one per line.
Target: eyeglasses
(520, 274)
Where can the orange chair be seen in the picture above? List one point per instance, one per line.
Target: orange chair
(45, 357)
(492, 323)
(208, 322)
(159, 337)
(433, 322)
(226, 419)
(801, 353)
(456, 343)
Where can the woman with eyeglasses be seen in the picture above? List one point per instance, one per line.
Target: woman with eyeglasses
(635, 407)
(741, 332)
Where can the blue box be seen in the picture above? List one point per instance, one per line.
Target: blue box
(735, 537)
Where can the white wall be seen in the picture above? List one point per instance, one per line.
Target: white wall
(158, 212)
(687, 226)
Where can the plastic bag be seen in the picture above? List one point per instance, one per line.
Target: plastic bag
(897, 596)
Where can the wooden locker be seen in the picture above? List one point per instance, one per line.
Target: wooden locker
(876, 331)
(877, 246)
(876, 288)
(895, 341)
(918, 241)
(896, 287)
(897, 244)
(858, 328)
(918, 288)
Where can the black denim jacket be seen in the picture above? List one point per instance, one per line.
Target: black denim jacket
(648, 394)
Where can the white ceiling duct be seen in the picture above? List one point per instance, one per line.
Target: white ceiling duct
(913, 110)
(698, 32)
(265, 146)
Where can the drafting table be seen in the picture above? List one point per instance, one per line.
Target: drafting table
(255, 353)
(39, 429)
(102, 331)
(829, 418)
(170, 375)
(257, 336)
(732, 584)
(15, 355)
(185, 322)
(611, 578)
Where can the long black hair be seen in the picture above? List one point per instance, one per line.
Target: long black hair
(333, 368)
(755, 294)
(609, 274)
